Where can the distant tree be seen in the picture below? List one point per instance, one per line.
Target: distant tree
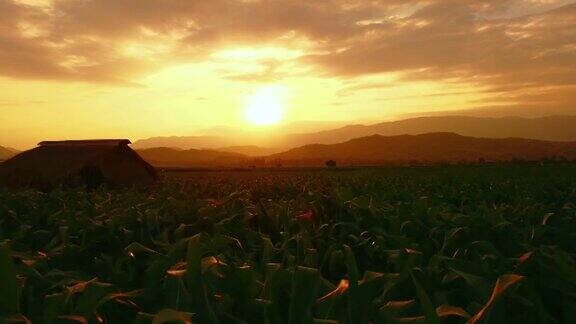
(331, 163)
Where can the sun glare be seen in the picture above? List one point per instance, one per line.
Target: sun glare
(266, 105)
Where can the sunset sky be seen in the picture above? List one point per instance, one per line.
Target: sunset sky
(141, 68)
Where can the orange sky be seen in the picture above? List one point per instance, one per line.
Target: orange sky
(141, 68)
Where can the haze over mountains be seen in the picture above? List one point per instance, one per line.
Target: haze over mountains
(376, 150)
(415, 140)
(169, 157)
(252, 141)
(554, 128)
(6, 153)
(249, 150)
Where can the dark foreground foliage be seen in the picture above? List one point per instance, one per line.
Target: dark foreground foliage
(489, 244)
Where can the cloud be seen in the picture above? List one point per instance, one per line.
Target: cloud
(94, 40)
(452, 41)
(34, 44)
(352, 89)
(507, 46)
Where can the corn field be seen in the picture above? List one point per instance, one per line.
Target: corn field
(476, 244)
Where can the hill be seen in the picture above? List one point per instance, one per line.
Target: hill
(425, 148)
(6, 153)
(168, 157)
(249, 150)
(554, 128)
(376, 150)
(226, 137)
(184, 142)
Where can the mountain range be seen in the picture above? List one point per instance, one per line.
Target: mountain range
(418, 140)
(376, 150)
(170, 157)
(249, 150)
(7, 152)
(553, 128)
(425, 148)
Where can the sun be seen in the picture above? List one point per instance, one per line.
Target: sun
(266, 105)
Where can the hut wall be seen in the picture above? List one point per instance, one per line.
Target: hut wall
(124, 167)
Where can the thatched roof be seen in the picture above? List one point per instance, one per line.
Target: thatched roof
(68, 162)
(106, 142)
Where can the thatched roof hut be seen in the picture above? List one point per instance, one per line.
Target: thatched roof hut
(77, 163)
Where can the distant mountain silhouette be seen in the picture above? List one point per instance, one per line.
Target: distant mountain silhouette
(376, 150)
(186, 142)
(431, 148)
(554, 128)
(169, 157)
(249, 150)
(6, 153)
(287, 128)
(225, 137)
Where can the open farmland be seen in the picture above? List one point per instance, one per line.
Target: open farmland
(486, 244)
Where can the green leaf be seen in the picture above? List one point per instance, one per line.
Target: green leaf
(503, 283)
(172, 316)
(425, 302)
(91, 297)
(9, 296)
(195, 284)
(324, 321)
(305, 285)
(477, 283)
(156, 271)
(278, 283)
(354, 302)
(72, 319)
(393, 308)
(54, 305)
(143, 318)
(135, 247)
(337, 292)
(447, 310)
(15, 319)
